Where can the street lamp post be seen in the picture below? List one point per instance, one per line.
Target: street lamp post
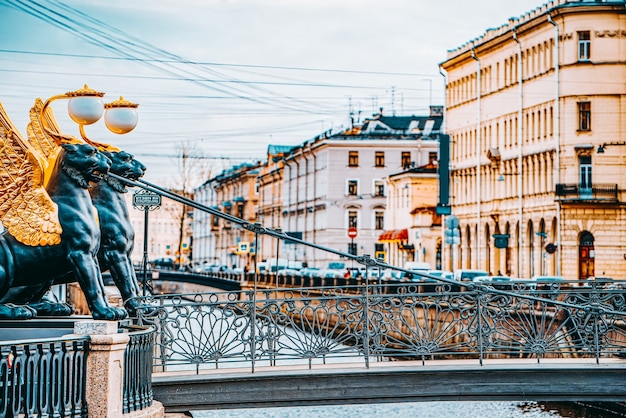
(86, 107)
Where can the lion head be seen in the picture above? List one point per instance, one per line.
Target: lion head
(124, 165)
(84, 164)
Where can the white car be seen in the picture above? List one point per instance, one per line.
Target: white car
(468, 275)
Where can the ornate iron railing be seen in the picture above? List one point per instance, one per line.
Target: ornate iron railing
(43, 378)
(597, 192)
(392, 321)
(137, 380)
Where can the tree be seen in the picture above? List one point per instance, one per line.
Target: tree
(191, 165)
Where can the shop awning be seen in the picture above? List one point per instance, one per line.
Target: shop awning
(385, 236)
(400, 235)
(394, 235)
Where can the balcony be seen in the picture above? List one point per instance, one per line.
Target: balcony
(598, 193)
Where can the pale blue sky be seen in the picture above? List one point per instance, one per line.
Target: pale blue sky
(235, 75)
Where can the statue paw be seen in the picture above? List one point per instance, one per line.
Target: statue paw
(11, 311)
(109, 313)
(52, 309)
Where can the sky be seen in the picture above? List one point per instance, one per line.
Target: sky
(226, 78)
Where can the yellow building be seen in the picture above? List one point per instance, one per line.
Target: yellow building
(535, 113)
(413, 229)
(234, 193)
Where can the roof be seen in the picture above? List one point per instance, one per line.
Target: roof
(278, 149)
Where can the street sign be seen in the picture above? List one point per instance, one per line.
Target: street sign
(144, 198)
(452, 222)
(352, 232)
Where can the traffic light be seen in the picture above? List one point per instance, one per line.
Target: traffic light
(453, 235)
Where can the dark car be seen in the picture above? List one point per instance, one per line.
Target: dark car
(163, 263)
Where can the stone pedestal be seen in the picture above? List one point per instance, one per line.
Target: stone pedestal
(105, 364)
(105, 372)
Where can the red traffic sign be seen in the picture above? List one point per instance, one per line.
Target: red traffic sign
(352, 232)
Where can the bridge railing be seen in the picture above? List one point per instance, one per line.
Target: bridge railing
(44, 377)
(137, 379)
(49, 376)
(385, 321)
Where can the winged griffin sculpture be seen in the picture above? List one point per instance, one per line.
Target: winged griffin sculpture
(117, 234)
(52, 230)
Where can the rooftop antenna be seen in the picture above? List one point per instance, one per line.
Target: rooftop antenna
(350, 112)
(374, 104)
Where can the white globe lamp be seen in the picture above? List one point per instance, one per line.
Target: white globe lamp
(85, 106)
(121, 116)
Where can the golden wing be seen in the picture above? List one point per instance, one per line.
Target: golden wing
(43, 143)
(26, 210)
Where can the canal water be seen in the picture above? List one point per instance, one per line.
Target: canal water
(423, 410)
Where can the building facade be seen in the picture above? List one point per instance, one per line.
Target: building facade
(219, 241)
(167, 224)
(534, 112)
(319, 189)
(336, 182)
(412, 225)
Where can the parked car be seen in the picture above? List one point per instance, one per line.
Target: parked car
(336, 269)
(163, 263)
(311, 272)
(468, 275)
(390, 274)
(441, 273)
(548, 279)
(289, 272)
(497, 282)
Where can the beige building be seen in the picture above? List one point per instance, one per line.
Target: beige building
(413, 228)
(270, 191)
(219, 241)
(535, 113)
(164, 230)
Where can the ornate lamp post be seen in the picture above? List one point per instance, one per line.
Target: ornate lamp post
(86, 107)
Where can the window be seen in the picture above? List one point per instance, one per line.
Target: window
(432, 158)
(584, 116)
(379, 219)
(240, 211)
(352, 219)
(584, 174)
(353, 158)
(379, 159)
(405, 159)
(353, 187)
(379, 188)
(215, 221)
(584, 46)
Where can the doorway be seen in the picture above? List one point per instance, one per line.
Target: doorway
(586, 256)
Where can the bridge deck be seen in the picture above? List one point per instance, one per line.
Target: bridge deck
(447, 380)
